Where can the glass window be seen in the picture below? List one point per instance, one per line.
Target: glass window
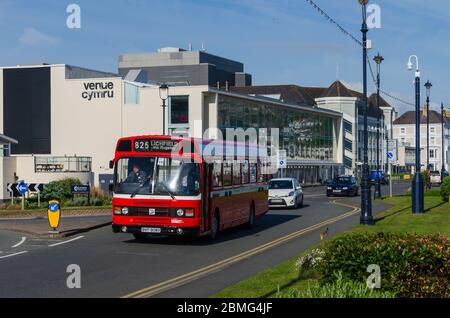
(237, 179)
(280, 185)
(217, 175)
(253, 173)
(245, 172)
(227, 178)
(131, 94)
(157, 176)
(179, 110)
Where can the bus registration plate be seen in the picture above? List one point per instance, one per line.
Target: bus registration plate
(152, 230)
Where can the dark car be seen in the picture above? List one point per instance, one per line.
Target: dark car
(344, 185)
(381, 175)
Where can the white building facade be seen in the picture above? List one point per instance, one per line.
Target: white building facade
(67, 121)
(405, 133)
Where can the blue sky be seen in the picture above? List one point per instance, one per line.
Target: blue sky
(280, 41)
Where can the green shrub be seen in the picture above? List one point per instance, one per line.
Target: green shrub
(339, 288)
(445, 189)
(59, 190)
(411, 265)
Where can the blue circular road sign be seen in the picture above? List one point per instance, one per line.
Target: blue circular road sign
(22, 188)
(53, 207)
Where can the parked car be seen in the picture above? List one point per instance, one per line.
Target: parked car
(435, 178)
(285, 192)
(343, 185)
(381, 174)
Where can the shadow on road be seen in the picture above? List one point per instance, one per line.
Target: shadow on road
(268, 221)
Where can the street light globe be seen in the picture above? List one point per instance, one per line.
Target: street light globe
(164, 92)
(363, 2)
(410, 66)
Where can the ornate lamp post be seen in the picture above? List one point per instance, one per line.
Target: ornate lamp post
(417, 184)
(378, 60)
(366, 200)
(164, 95)
(443, 141)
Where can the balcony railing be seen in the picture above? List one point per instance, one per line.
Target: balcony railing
(62, 164)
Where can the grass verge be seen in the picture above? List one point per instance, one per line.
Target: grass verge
(284, 277)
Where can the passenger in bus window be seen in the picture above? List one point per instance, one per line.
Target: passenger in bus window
(136, 175)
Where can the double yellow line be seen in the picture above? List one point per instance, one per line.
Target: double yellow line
(202, 272)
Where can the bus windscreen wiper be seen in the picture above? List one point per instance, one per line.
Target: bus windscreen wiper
(167, 190)
(140, 187)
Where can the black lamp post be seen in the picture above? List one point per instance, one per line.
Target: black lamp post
(417, 184)
(428, 86)
(164, 95)
(378, 60)
(443, 142)
(366, 200)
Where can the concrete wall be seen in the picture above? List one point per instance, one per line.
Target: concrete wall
(7, 170)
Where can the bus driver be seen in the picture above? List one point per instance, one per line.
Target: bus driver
(136, 175)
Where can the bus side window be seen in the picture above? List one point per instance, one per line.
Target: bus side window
(227, 177)
(217, 175)
(245, 172)
(237, 179)
(260, 172)
(253, 173)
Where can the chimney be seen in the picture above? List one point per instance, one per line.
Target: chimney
(424, 111)
(226, 86)
(218, 85)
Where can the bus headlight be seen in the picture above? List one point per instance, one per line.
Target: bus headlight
(190, 213)
(180, 212)
(117, 210)
(125, 211)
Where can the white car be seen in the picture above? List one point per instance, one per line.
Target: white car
(285, 192)
(435, 177)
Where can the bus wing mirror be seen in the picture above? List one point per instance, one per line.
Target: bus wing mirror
(111, 164)
(111, 187)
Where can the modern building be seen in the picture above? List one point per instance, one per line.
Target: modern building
(175, 66)
(64, 121)
(405, 133)
(349, 103)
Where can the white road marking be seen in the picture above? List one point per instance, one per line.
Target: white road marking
(15, 254)
(65, 242)
(20, 243)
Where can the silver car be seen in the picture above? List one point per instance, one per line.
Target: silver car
(285, 192)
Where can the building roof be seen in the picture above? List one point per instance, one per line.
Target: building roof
(292, 94)
(409, 118)
(299, 95)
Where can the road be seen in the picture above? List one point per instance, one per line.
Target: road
(115, 265)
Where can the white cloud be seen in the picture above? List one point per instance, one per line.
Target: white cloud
(32, 37)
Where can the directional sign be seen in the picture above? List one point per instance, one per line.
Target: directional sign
(36, 187)
(81, 189)
(22, 188)
(391, 156)
(282, 159)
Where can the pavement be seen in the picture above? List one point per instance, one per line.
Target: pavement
(116, 265)
(72, 222)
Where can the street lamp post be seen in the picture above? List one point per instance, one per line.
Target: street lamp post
(428, 86)
(378, 60)
(164, 95)
(366, 200)
(417, 184)
(443, 142)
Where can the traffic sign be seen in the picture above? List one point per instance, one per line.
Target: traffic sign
(282, 159)
(391, 156)
(81, 189)
(36, 187)
(22, 188)
(54, 215)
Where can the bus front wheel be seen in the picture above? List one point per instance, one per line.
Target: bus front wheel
(215, 226)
